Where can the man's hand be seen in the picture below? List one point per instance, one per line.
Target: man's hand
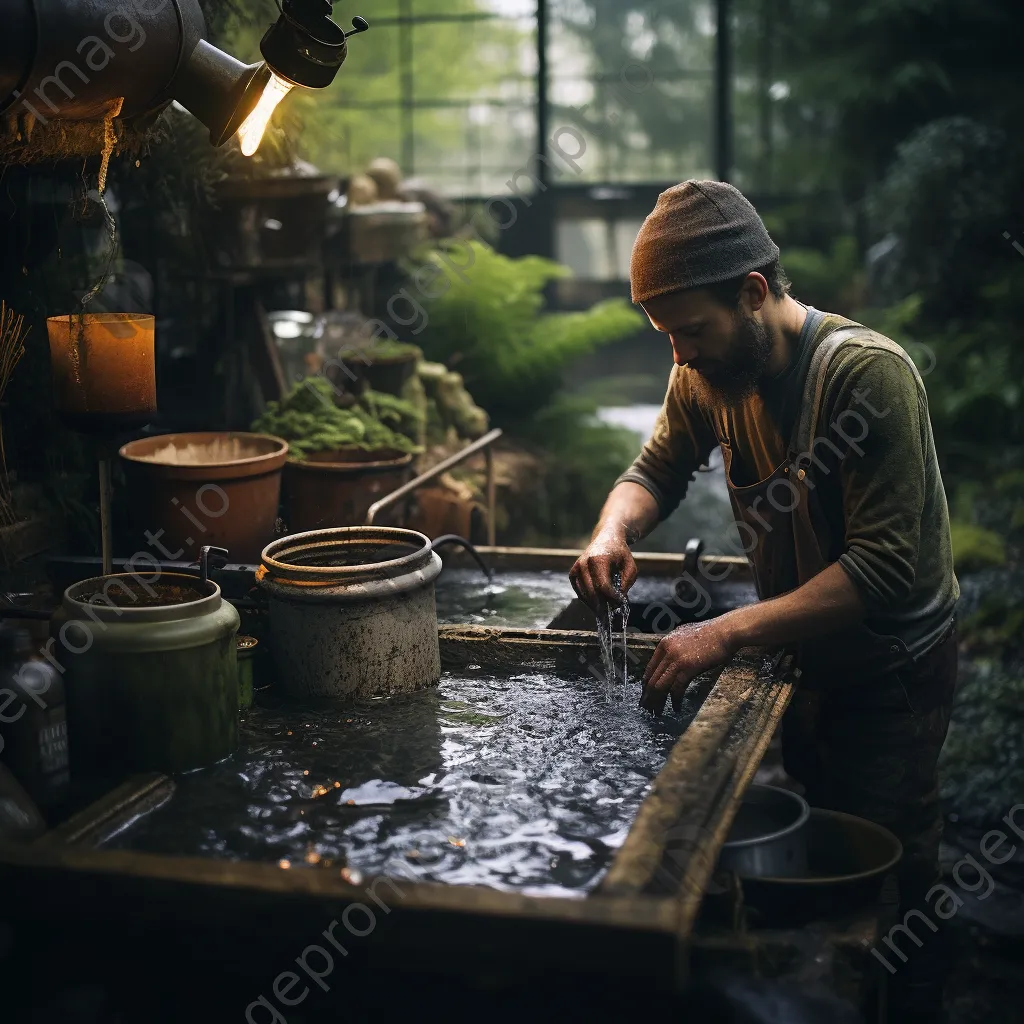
(681, 656)
(630, 512)
(592, 575)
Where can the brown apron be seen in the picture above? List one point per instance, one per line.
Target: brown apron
(787, 538)
(864, 731)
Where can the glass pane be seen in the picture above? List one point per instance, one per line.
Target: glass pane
(595, 249)
(637, 81)
(449, 94)
(583, 246)
(472, 151)
(777, 140)
(356, 118)
(473, 87)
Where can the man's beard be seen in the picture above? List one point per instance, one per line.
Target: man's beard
(736, 377)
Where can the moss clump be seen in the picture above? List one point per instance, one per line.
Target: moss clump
(399, 414)
(975, 548)
(450, 405)
(383, 351)
(308, 419)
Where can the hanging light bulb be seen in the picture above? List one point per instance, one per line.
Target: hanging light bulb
(250, 134)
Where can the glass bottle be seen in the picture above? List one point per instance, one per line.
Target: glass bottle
(33, 723)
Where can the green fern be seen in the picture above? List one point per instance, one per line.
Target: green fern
(490, 325)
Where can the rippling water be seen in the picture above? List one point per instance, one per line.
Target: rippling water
(526, 600)
(527, 783)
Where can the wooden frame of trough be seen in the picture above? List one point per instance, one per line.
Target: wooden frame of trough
(649, 563)
(636, 926)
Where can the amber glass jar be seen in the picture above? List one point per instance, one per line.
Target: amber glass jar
(104, 370)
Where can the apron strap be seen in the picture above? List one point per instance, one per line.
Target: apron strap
(817, 372)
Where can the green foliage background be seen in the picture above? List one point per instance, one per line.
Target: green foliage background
(490, 324)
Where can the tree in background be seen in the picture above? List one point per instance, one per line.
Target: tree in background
(905, 113)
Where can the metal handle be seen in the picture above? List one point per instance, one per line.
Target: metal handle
(204, 560)
(358, 25)
(453, 460)
(691, 554)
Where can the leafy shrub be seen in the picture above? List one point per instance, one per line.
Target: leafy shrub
(833, 281)
(583, 457)
(973, 366)
(942, 203)
(982, 763)
(974, 547)
(490, 325)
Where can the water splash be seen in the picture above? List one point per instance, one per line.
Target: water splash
(611, 633)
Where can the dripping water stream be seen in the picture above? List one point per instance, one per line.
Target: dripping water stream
(611, 633)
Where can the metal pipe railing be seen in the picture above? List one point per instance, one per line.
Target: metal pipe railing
(481, 444)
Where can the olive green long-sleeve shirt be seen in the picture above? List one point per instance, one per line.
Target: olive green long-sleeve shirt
(888, 524)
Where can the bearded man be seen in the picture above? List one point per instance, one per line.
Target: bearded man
(832, 473)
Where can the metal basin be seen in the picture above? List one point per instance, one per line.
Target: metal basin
(352, 611)
(767, 835)
(848, 859)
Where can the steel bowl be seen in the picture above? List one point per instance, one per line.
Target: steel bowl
(767, 838)
(848, 861)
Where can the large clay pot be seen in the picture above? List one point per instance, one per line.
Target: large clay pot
(227, 496)
(329, 489)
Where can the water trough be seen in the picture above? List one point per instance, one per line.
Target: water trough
(636, 924)
(123, 893)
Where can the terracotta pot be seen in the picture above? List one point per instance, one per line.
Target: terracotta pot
(337, 488)
(390, 375)
(229, 498)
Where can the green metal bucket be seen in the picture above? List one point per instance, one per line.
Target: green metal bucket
(151, 674)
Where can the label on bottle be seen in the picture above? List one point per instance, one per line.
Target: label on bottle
(53, 748)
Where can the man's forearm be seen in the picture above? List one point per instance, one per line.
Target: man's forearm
(829, 601)
(630, 512)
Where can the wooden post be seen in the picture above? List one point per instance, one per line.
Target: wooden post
(106, 528)
(491, 497)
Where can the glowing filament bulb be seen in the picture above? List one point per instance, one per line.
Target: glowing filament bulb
(250, 134)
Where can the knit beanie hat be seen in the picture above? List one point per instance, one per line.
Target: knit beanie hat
(700, 232)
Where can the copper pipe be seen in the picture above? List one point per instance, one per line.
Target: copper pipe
(480, 444)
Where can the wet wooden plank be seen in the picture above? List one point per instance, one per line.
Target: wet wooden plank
(572, 652)
(526, 559)
(436, 926)
(102, 818)
(756, 717)
(678, 832)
